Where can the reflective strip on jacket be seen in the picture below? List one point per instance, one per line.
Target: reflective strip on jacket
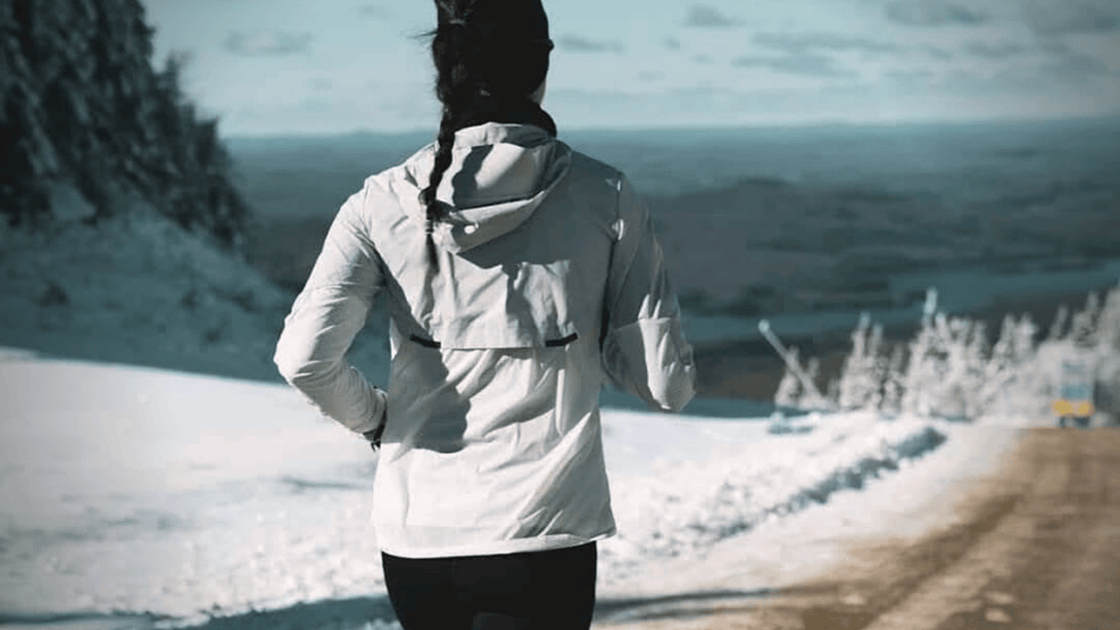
(549, 280)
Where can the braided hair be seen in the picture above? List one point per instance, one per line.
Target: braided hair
(490, 56)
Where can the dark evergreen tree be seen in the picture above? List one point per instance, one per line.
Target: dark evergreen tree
(81, 105)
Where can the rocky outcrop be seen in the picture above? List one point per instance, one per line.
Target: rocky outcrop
(88, 126)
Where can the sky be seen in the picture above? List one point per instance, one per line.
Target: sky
(279, 67)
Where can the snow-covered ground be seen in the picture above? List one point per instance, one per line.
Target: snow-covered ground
(147, 495)
(137, 490)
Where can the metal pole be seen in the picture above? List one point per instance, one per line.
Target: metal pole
(794, 366)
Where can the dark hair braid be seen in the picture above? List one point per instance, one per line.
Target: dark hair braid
(489, 57)
(435, 211)
(453, 87)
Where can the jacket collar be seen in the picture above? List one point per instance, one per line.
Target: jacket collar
(490, 133)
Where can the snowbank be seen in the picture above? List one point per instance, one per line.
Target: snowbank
(684, 507)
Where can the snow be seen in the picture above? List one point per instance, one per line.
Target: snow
(142, 490)
(688, 505)
(784, 549)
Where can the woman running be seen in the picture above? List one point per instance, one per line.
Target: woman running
(519, 275)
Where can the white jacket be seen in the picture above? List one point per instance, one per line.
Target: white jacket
(549, 278)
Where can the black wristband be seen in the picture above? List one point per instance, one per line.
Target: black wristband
(374, 436)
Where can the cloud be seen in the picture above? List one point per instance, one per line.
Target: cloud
(1054, 75)
(909, 76)
(994, 51)
(705, 16)
(1072, 16)
(593, 99)
(373, 11)
(1055, 47)
(934, 13)
(1058, 58)
(811, 65)
(939, 53)
(1067, 63)
(803, 44)
(321, 84)
(1078, 64)
(262, 43)
(1035, 91)
(577, 43)
(646, 76)
(672, 43)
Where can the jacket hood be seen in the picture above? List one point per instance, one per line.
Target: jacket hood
(499, 175)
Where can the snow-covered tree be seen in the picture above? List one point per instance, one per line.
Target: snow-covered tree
(971, 351)
(1023, 339)
(858, 380)
(813, 369)
(1083, 327)
(949, 369)
(892, 386)
(790, 390)
(1058, 326)
(1108, 323)
(879, 366)
(833, 393)
(1007, 376)
(923, 370)
(955, 366)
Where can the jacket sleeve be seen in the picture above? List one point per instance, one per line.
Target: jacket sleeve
(326, 316)
(644, 351)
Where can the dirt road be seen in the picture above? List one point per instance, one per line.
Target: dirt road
(1035, 546)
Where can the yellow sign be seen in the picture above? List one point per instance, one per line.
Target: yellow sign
(1072, 408)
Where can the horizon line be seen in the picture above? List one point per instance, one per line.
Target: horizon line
(759, 126)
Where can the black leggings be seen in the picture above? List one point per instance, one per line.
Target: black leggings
(540, 590)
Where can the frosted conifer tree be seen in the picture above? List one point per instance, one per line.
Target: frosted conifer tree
(878, 367)
(1107, 391)
(857, 384)
(790, 390)
(921, 371)
(814, 369)
(999, 370)
(1029, 381)
(1010, 378)
(1023, 339)
(814, 399)
(893, 383)
(962, 371)
(1084, 325)
(956, 365)
(833, 390)
(1058, 326)
(975, 359)
(1108, 323)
